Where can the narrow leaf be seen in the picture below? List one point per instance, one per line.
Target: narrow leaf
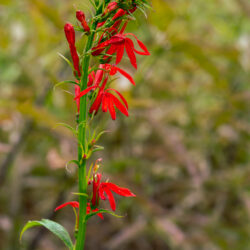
(52, 226)
(88, 216)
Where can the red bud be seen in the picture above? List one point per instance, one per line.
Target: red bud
(111, 7)
(69, 33)
(81, 18)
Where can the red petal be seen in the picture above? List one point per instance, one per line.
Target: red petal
(119, 190)
(100, 24)
(130, 51)
(99, 75)
(71, 203)
(115, 26)
(100, 215)
(141, 44)
(110, 51)
(101, 193)
(96, 184)
(97, 51)
(118, 104)
(124, 73)
(111, 108)
(123, 27)
(119, 13)
(110, 198)
(91, 77)
(120, 95)
(116, 39)
(84, 92)
(120, 52)
(77, 92)
(96, 104)
(104, 103)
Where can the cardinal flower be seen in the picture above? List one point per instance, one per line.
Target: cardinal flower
(108, 100)
(104, 191)
(117, 44)
(75, 204)
(70, 35)
(103, 70)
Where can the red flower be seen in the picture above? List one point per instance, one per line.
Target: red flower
(100, 189)
(117, 44)
(113, 70)
(75, 204)
(107, 99)
(70, 35)
(81, 18)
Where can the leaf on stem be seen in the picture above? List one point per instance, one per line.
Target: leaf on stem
(74, 131)
(88, 216)
(53, 227)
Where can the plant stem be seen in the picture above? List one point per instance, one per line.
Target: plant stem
(80, 241)
(82, 139)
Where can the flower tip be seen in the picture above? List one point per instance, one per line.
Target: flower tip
(80, 15)
(68, 27)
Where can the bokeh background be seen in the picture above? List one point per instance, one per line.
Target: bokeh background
(184, 150)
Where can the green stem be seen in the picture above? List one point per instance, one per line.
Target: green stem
(82, 139)
(80, 242)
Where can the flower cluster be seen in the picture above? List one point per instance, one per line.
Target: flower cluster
(111, 43)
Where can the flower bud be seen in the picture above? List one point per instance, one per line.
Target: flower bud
(69, 33)
(111, 7)
(81, 18)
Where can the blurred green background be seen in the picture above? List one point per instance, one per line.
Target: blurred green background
(184, 150)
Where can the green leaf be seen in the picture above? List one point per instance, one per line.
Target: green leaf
(63, 82)
(72, 161)
(52, 226)
(88, 216)
(89, 172)
(98, 148)
(67, 60)
(67, 126)
(81, 194)
(100, 134)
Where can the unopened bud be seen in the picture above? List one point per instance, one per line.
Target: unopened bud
(69, 33)
(81, 18)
